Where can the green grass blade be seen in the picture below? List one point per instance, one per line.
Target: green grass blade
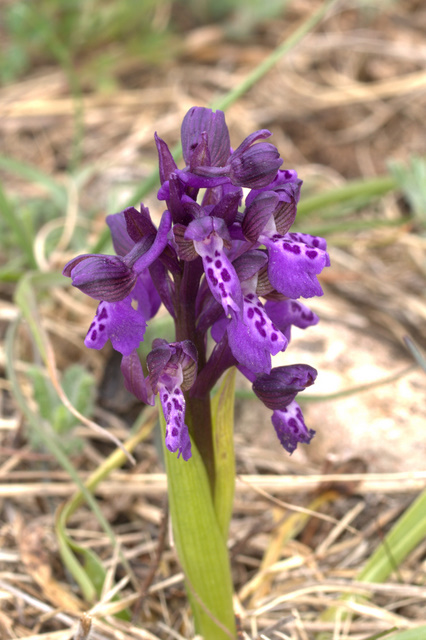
(406, 534)
(368, 189)
(410, 634)
(30, 173)
(20, 230)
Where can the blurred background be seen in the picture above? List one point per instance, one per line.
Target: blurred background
(84, 85)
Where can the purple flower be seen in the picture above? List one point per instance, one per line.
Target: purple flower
(278, 391)
(172, 369)
(218, 263)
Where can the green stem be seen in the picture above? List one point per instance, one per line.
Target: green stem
(200, 544)
(197, 416)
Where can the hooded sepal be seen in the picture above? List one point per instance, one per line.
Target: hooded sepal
(101, 277)
(198, 121)
(280, 387)
(254, 165)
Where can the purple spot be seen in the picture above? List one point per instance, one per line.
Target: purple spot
(169, 407)
(295, 306)
(217, 254)
(165, 397)
(91, 326)
(250, 296)
(250, 313)
(101, 327)
(260, 329)
(311, 254)
(218, 264)
(208, 259)
(274, 337)
(211, 275)
(225, 275)
(94, 335)
(291, 248)
(103, 314)
(175, 432)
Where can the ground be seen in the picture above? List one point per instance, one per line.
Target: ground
(342, 105)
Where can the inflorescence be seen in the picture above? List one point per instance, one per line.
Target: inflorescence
(214, 256)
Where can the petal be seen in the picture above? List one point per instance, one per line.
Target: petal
(220, 274)
(157, 247)
(258, 213)
(101, 277)
(172, 364)
(134, 379)
(121, 240)
(254, 339)
(146, 295)
(118, 322)
(279, 388)
(255, 165)
(285, 313)
(199, 120)
(166, 161)
(293, 266)
(312, 241)
(290, 427)
(177, 436)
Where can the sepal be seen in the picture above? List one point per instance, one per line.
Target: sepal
(280, 387)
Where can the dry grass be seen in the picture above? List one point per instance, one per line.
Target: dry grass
(346, 99)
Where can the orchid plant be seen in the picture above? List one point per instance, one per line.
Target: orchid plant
(225, 265)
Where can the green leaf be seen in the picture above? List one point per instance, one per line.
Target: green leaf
(382, 634)
(19, 229)
(200, 545)
(222, 408)
(79, 386)
(406, 534)
(410, 634)
(32, 174)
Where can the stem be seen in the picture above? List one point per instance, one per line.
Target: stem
(200, 545)
(197, 413)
